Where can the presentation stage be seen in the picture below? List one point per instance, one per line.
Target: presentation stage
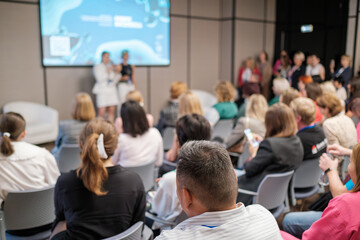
(76, 32)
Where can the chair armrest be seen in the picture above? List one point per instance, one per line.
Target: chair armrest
(247, 192)
(159, 220)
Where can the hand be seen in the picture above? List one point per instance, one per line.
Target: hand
(125, 78)
(337, 150)
(325, 162)
(158, 179)
(252, 150)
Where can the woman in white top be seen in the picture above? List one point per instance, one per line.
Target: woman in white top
(138, 144)
(105, 87)
(23, 166)
(315, 69)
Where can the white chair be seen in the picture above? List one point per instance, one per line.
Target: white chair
(26, 210)
(146, 173)
(207, 100)
(272, 192)
(42, 122)
(69, 157)
(305, 182)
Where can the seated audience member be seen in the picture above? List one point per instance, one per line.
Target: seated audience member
(23, 166)
(344, 72)
(168, 115)
(256, 108)
(340, 90)
(288, 95)
(98, 200)
(316, 70)
(340, 220)
(247, 91)
(280, 151)
(297, 70)
(279, 86)
(355, 109)
(312, 136)
(328, 87)
(207, 189)
(69, 130)
(138, 144)
(338, 127)
(266, 73)
(136, 96)
(165, 202)
(296, 223)
(188, 103)
(225, 93)
(313, 91)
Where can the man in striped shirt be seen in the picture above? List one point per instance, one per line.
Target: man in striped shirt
(207, 190)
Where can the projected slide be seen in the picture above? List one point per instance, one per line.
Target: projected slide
(76, 32)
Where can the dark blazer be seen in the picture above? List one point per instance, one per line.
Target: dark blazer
(275, 155)
(345, 75)
(295, 76)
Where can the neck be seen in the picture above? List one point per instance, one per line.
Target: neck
(108, 163)
(302, 125)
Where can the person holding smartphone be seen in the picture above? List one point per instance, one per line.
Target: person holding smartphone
(280, 151)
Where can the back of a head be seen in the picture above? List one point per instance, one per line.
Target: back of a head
(306, 79)
(328, 87)
(313, 90)
(205, 169)
(176, 89)
(280, 121)
(134, 118)
(354, 106)
(256, 107)
(83, 109)
(289, 95)
(11, 126)
(192, 127)
(189, 103)
(354, 87)
(305, 108)
(136, 96)
(331, 102)
(92, 170)
(280, 85)
(225, 92)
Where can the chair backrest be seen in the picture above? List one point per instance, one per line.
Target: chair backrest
(308, 174)
(146, 173)
(344, 166)
(222, 128)
(168, 137)
(132, 233)
(207, 99)
(69, 157)
(29, 209)
(273, 189)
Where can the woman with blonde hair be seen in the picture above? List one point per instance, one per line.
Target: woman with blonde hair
(225, 93)
(98, 200)
(280, 151)
(256, 108)
(338, 127)
(69, 130)
(344, 71)
(189, 103)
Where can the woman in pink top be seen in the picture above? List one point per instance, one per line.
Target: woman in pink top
(341, 219)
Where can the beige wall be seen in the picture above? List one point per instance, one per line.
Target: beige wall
(201, 36)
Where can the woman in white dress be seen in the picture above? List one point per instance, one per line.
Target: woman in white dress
(105, 87)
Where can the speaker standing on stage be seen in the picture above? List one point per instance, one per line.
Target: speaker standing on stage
(127, 81)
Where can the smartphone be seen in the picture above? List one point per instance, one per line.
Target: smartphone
(251, 137)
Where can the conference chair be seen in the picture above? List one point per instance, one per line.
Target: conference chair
(42, 122)
(69, 157)
(135, 232)
(164, 223)
(344, 166)
(207, 100)
(305, 182)
(222, 129)
(272, 192)
(146, 173)
(168, 137)
(26, 210)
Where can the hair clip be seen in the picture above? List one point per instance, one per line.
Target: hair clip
(100, 146)
(6, 134)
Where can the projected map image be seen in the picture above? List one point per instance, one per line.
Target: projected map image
(76, 32)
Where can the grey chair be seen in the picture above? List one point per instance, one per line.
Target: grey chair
(182, 216)
(146, 173)
(135, 232)
(168, 137)
(305, 182)
(222, 129)
(69, 157)
(272, 192)
(344, 165)
(26, 210)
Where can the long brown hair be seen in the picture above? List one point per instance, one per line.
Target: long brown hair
(280, 121)
(92, 171)
(356, 159)
(14, 124)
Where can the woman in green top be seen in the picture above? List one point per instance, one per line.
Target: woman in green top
(225, 93)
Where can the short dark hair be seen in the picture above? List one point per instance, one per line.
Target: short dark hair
(205, 169)
(313, 90)
(134, 118)
(104, 52)
(192, 127)
(340, 80)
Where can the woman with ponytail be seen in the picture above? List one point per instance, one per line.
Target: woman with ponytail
(98, 200)
(23, 166)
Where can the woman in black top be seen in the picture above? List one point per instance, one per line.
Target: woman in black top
(127, 81)
(98, 200)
